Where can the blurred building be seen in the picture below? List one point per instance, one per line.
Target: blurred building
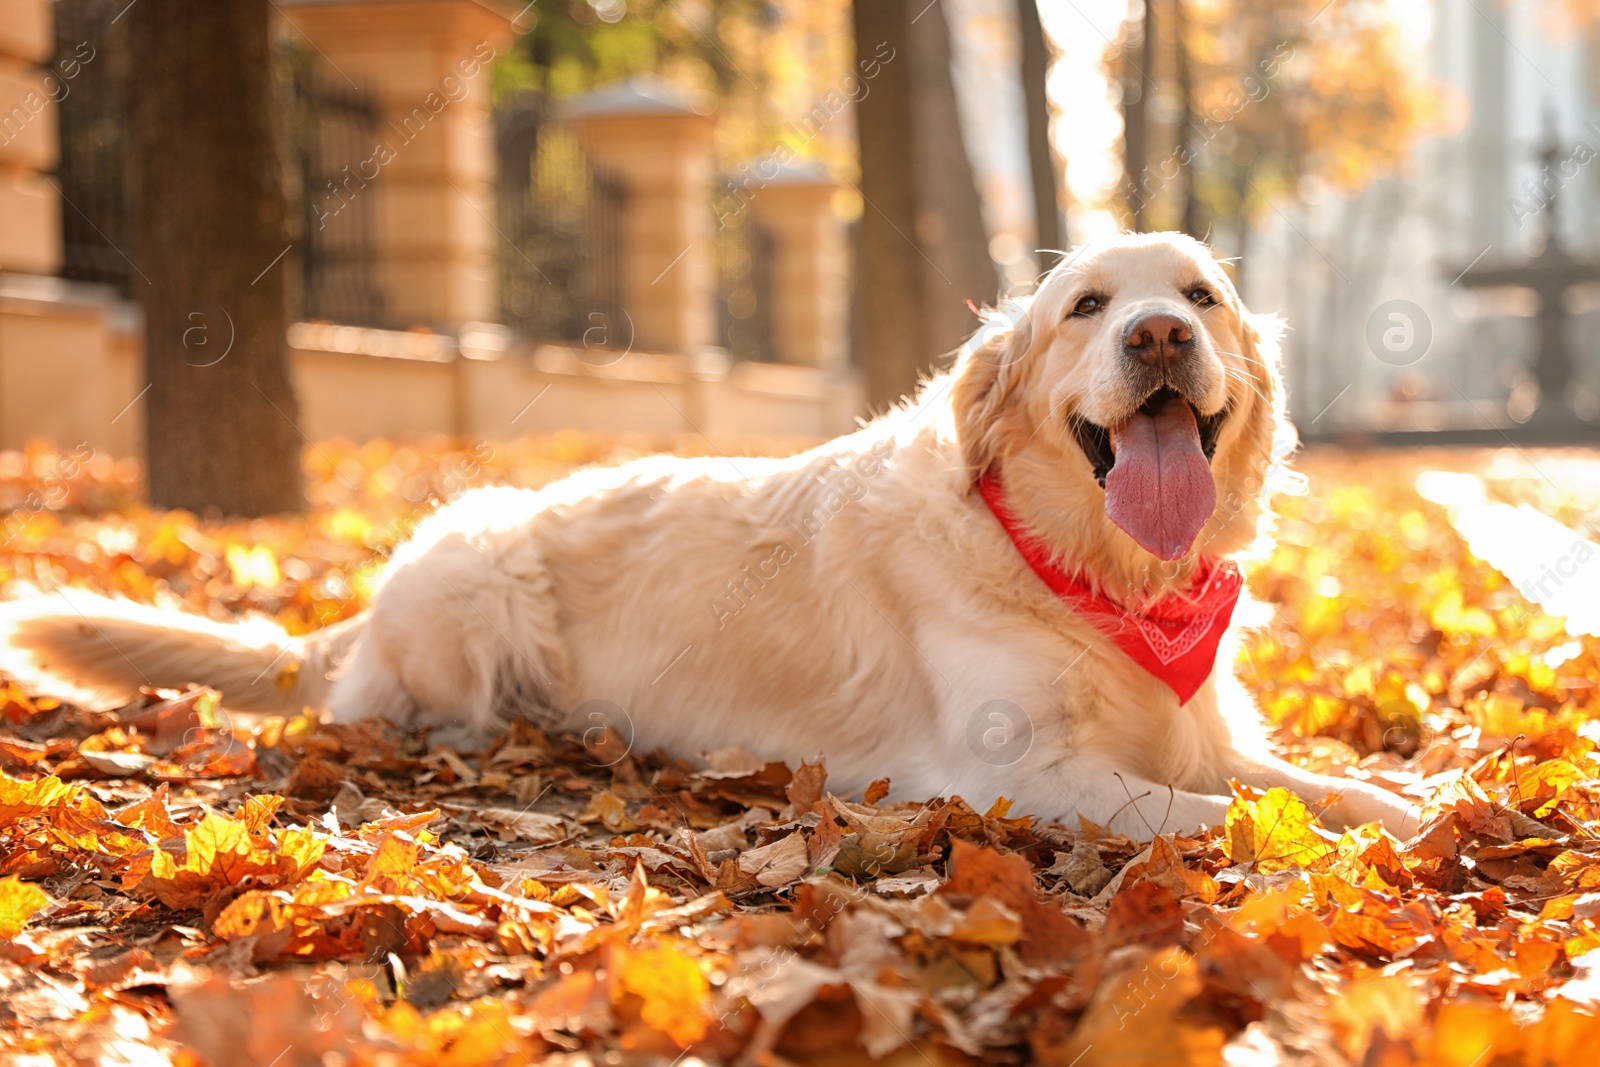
(463, 265)
(1339, 268)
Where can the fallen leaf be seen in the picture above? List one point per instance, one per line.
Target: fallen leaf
(1274, 831)
(19, 901)
(779, 864)
(672, 988)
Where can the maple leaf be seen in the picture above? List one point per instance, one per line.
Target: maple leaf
(881, 844)
(299, 850)
(20, 798)
(1161, 863)
(219, 846)
(218, 855)
(392, 862)
(150, 814)
(1274, 831)
(1370, 1004)
(807, 787)
(988, 922)
(256, 812)
(1281, 919)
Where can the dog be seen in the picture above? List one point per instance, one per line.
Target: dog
(1018, 583)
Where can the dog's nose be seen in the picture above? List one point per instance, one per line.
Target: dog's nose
(1158, 337)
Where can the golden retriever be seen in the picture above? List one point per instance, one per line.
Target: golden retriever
(861, 602)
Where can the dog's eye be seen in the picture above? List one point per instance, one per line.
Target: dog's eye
(1200, 296)
(1089, 305)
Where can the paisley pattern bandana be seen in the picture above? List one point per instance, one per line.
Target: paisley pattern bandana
(1174, 638)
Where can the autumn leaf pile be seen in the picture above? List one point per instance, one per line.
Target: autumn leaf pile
(182, 884)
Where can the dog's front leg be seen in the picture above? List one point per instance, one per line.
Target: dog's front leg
(1355, 802)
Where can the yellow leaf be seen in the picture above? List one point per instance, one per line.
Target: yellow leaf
(988, 922)
(163, 866)
(480, 1042)
(253, 913)
(150, 814)
(608, 808)
(19, 798)
(18, 901)
(1274, 831)
(257, 812)
(216, 845)
(299, 850)
(1134, 1020)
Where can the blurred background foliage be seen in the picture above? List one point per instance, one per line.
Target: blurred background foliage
(1228, 105)
(757, 62)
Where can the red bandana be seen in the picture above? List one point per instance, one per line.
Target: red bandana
(1175, 638)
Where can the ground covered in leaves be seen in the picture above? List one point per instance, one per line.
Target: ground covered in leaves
(181, 884)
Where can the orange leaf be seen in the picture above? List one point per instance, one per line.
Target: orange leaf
(150, 814)
(393, 859)
(673, 990)
(19, 798)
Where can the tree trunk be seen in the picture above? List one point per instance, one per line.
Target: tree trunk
(1241, 233)
(1137, 86)
(1042, 164)
(950, 228)
(922, 249)
(1193, 222)
(209, 232)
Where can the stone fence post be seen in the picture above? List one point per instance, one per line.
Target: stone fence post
(30, 208)
(647, 135)
(810, 265)
(431, 172)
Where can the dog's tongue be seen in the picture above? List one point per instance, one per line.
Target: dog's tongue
(1160, 490)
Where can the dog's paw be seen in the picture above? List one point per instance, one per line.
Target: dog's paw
(1360, 803)
(462, 736)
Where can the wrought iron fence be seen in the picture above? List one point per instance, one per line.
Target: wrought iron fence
(333, 128)
(744, 291)
(561, 257)
(96, 208)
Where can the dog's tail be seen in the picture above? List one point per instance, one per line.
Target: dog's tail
(100, 649)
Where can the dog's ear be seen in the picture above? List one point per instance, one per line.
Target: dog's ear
(1263, 336)
(1269, 439)
(986, 374)
(1260, 335)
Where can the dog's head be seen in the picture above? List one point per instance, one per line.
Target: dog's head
(1133, 399)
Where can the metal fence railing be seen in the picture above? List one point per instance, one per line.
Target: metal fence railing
(96, 208)
(744, 291)
(561, 257)
(561, 247)
(333, 128)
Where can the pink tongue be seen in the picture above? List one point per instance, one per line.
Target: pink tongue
(1160, 490)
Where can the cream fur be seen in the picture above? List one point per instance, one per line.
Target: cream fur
(857, 602)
